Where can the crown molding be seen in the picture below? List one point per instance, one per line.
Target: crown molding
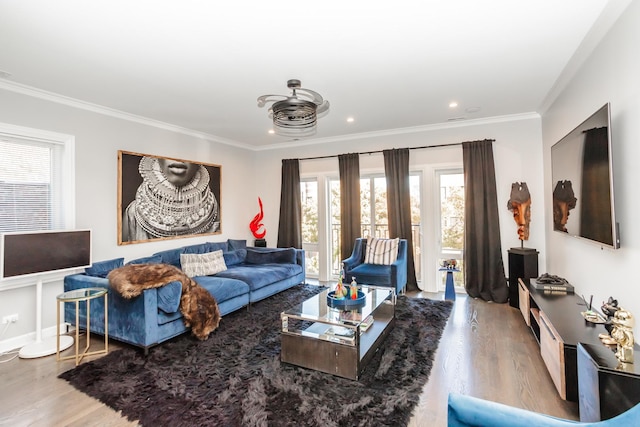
(406, 130)
(88, 106)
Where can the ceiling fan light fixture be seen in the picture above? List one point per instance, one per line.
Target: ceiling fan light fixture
(295, 115)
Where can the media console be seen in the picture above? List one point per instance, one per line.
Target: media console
(558, 325)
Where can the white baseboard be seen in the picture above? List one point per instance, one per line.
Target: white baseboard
(20, 341)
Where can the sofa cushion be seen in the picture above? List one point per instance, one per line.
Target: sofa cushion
(170, 256)
(153, 259)
(271, 256)
(102, 268)
(372, 273)
(169, 297)
(260, 275)
(234, 257)
(381, 251)
(200, 248)
(235, 244)
(217, 246)
(222, 288)
(202, 264)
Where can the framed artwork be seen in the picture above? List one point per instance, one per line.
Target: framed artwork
(163, 198)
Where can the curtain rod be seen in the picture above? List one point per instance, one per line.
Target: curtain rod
(380, 151)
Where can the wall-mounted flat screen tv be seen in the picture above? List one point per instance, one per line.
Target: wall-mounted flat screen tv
(582, 179)
(27, 253)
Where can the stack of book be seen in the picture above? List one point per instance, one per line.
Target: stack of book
(546, 284)
(366, 323)
(340, 333)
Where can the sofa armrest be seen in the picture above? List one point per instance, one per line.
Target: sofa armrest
(466, 411)
(357, 255)
(301, 260)
(130, 320)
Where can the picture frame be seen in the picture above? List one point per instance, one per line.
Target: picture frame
(162, 198)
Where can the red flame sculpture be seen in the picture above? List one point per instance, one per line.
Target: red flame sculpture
(255, 225)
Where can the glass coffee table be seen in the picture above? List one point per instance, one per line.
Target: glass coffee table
(320, 335)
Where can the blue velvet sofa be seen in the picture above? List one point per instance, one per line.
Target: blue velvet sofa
(467, 411)
(252, 274)
(393, 275)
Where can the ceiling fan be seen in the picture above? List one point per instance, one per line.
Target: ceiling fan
(297, 114)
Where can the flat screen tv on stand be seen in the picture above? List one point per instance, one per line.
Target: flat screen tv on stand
(36, 254)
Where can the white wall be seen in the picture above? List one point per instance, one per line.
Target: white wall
(97, 140)
(517, 155)
(247, 175)
(610, 74)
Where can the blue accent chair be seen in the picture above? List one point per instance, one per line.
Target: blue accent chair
(394, 275)
(466, 411)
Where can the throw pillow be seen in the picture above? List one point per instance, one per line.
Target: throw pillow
(102, 268)
(381, 251)
(202, 264)
(217, 246)
(235, 244)
(234, 257)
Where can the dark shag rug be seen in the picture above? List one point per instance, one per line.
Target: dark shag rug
(235, 378)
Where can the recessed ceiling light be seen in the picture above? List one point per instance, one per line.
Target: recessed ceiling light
(453, 104)
(350, 119)
(271, 131)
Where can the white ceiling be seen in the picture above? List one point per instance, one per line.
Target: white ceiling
(201, 64)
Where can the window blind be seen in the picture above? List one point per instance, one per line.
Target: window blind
(30, 185)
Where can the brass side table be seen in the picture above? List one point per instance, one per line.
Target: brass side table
(83, 295)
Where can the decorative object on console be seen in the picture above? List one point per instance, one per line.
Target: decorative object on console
(257, 227)
(449, 263)
(622, 332)
(295, 115)
(520, 205)
(162, 198)
(609, 309)
(552, 283)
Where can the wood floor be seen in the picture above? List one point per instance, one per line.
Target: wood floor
(486, 351)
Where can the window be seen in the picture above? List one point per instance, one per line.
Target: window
(451, 233)
(36, 185)
(374, 219)
(309, 199)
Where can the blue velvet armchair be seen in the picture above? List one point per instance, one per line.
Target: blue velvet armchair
(466, 411)
(394, 275)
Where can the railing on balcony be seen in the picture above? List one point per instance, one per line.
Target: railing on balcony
(381, 231)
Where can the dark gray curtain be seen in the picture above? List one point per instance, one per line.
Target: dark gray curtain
(396, 170)
(595, 206)
(290, 225)
(349, 165)
(483, 265)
